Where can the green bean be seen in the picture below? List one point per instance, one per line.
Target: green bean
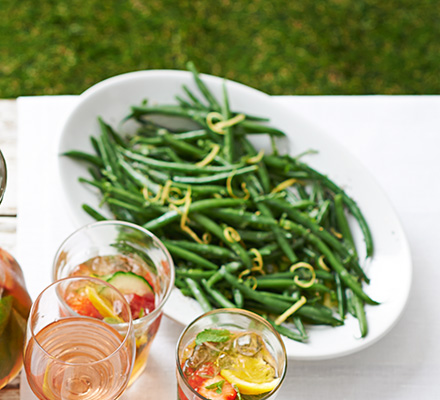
(288, 283)
(82, 156)
(238, 297)
(198, 294)
(207, 250)
(359, 311)
(256, 236)
(187, 255)
(317, 316)
(320, 274)
(182, 146)
(242, 216)
(300, 326)
(200, 205)
(228, 148)
(196, 180)
(192, 135)
(138, 178)
(93, 213)
(340, 294)
(283, 330)
(197, 103)
(219, 275)
(119, 193)
(147, 211)
(343, 223)
(202, 87)
(193, 273)
(179, 167)
(217, 296)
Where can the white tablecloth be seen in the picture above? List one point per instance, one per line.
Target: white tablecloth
(396, 137)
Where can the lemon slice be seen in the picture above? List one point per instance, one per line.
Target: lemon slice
(246, 387)
(103, 306)
(251, 375)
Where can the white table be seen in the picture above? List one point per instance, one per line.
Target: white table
(398, 139)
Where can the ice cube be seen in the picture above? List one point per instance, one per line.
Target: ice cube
(248, 344)
(200, 354)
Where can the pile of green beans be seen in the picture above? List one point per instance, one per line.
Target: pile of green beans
(192, 187)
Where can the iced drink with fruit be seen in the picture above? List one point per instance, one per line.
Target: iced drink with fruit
(131, 259)
(230, 354)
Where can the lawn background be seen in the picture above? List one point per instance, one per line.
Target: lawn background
(281, 47)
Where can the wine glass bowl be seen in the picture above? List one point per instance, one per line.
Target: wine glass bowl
(80, 341)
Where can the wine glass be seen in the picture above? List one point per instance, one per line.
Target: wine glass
(80, 341)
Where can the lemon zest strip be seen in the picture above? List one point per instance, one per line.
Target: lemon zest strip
(322, 264)
(243, 273)
(257, 158)
(230, 190)
(252, 278)
(218, 127)
(257, 261)
(284, 185)
(184, 219)
(231, 235)
(165, 192)
(206, 237)
(299, 282)
(210, 157)
(146, 195)
(295, 307)
(336, 233)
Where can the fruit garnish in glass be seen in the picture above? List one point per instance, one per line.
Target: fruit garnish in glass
(80, 341)
(229, 354)
(131, 259)
(15, 304)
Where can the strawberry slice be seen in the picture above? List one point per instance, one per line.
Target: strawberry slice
(217, 388)
(140, 305)
(81, 304)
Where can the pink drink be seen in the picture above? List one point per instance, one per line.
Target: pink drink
(81, 366)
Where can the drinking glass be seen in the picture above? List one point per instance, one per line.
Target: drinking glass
(132, 259)
(80, 341)
(250, 332)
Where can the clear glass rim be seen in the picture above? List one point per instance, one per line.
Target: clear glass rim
(158, 309)
(99, 282)
(4, 174)
(238, 311)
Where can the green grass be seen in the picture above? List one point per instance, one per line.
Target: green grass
(288, 47)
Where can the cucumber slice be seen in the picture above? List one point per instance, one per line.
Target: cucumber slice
(129, 282)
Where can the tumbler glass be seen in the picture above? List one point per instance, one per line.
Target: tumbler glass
(230, 354)
(134, 261)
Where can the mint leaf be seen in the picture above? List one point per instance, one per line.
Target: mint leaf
(213, 335)
(237, 391)
(216, 385)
